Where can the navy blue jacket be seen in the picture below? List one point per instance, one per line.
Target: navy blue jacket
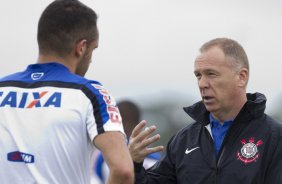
(251, 152)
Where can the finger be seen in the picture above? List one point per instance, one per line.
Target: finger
(146, 129)
(154, 149)
(144, 134)
(136, 131)
(151, 140)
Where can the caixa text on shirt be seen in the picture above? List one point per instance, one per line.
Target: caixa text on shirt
(30, 99)
(17, 156)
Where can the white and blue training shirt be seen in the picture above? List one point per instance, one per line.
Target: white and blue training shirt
(48, 120)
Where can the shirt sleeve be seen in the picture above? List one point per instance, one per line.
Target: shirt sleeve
(274, 170)
(162, 172)
(103, 114)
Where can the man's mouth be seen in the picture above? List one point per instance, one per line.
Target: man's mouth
(207, 98)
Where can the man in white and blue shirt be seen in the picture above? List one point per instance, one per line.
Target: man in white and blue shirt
(52, 118)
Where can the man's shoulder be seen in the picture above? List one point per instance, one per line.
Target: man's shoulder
(189, 128)
(188, 131)
(93, 85)
(10, 77)
(97, 89)
(65, 82)
(274, 124)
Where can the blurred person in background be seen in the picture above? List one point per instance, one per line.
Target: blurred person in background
(52, 118)
(131, 115)
(231, 141)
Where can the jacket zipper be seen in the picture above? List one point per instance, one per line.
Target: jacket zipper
(220, 156)
(217, 160)
(217, 164)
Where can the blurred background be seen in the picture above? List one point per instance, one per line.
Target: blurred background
(147, 49)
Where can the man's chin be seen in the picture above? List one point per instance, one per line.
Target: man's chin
(210, 107)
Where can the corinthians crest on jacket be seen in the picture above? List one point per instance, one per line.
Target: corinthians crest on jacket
(249, 151)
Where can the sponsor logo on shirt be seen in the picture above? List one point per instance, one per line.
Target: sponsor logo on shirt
(249, 151)
(109, 100)
(30, 99)
(17, 156)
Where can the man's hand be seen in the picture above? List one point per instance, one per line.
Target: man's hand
(139, 140)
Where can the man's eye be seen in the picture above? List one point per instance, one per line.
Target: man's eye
(211, 74)
(198, 76)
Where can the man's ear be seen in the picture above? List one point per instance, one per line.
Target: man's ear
(243, 75)
(80, 48)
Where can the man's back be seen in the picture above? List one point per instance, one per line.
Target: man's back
(47, 124)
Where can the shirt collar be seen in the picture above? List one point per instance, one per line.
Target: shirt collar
(40, 66)
(216, 123)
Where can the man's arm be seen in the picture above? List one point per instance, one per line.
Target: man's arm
(115, 152)
(274, 171)
(140, 140)
(163, 171)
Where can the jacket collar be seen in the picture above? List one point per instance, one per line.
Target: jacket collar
(254, 107)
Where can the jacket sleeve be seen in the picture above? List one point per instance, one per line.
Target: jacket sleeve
(274, 171)
(162, 172)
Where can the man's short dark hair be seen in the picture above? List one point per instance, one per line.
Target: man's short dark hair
(64, 23)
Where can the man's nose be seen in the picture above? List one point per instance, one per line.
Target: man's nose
(203, 82)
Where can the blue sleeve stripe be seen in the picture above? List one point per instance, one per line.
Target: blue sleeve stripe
(98, 167)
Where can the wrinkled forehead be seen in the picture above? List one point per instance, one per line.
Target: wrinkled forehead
(211, 60)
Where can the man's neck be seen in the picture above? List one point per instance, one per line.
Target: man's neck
(230, 114)
(68, 62)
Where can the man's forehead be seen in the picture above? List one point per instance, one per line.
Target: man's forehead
(213, 56)
(206, 67)
(204, 60)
